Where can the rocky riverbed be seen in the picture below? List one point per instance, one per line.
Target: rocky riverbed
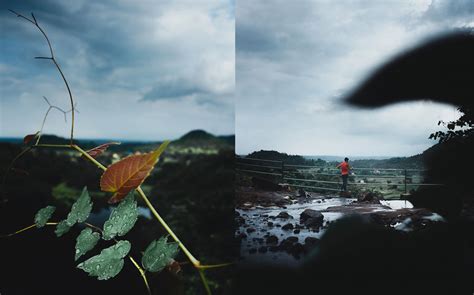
(281, 227)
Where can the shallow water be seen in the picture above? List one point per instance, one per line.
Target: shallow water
(258, 217)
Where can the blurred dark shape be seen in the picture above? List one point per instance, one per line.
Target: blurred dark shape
(441, 70)
(357, 256)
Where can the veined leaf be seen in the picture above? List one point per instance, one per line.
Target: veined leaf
(100, 149)
(43, 215)
(126, 175)
(122, 219)
(80, 209)
(30, 137)
(85, 242)
(62, 228)
(159, 254)
(108, 263)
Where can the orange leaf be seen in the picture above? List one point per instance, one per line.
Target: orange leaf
(30, 137)
(126, 175)
(100, 149)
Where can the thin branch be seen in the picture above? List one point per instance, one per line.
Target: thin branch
(35, 22)
(46, 115)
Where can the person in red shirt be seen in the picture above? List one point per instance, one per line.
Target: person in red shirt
(344, 173)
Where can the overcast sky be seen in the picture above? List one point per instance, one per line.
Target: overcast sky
(145, 70)
(296, 59)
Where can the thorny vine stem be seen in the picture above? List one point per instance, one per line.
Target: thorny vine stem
(137, 266)
(35, 22)
(40, 133)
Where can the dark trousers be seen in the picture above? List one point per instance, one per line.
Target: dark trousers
(344, 182)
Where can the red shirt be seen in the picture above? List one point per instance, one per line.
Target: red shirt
(344, 168)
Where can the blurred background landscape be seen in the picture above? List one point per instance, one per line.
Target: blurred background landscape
(192, 187)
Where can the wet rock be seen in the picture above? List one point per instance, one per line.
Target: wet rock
(296, 250)
(241, 236)
(278, 225)
(287, 226)
(250, 230)
(296, 231)
(369, 197)
(272, 240)
(270, 223)
(311, 218)
(240, 220)
(302, 193)
(310, 243)
(286, 245)
(284, 215)
(293, 239)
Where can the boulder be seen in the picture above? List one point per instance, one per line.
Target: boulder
(284, 215)
(311, 218)
(272, 240)
(310, 243)
(287, 226)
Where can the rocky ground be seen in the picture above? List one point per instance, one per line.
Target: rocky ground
(278, 225)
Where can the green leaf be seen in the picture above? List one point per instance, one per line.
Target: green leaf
(159, 254)
(62, 228)
(108, 263)
(122, 219)
(86, 241)
(80, 209)
(43, 215)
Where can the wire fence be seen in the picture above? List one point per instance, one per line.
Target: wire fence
(392, 183)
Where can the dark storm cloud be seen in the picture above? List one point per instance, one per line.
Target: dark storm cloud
(116, 54)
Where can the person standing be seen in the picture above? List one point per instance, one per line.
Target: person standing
(344, 166)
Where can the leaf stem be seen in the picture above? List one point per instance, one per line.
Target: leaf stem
(204, 281)
(25, 229)
(193, 260)
(142, 273)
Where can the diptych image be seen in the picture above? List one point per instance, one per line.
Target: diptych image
(236, 147)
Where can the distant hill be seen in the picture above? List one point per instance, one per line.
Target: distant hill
(413, 162)
(197, 140)
(288, 159)
(203, 139)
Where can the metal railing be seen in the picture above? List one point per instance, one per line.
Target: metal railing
(391, 182)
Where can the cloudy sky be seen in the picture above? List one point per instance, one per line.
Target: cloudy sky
(146, 70)
(296, 59)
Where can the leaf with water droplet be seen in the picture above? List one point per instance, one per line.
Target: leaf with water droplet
(86, 241)
(159, 254)
(43, 215)
(108, 263)
(122, 219)
(62, 228)
(80, 209)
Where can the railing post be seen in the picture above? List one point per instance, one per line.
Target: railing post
(282, 171)
(405, 181)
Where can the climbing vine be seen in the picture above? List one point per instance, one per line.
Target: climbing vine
(123, 180)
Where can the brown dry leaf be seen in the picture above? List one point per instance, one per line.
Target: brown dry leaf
(127, 174)
(100, 149)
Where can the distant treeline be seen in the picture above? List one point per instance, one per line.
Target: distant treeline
(413, 162)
